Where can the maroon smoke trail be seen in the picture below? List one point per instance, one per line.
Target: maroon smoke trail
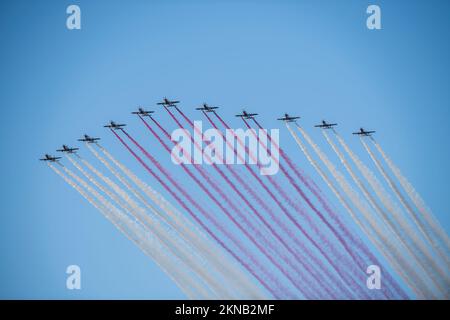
(275, 217)
(259, 216)
(324, 238)
(193, 215)
(343, 272)
(219, 204)
(363, 255)
(303, 195)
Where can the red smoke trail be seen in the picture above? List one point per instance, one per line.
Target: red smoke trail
(283, 208)
(348, 237)
(195, 217)
(185, 117)
(320, 215)
(237, 176)
(219, 204)
(341, 272)
(260, 217)
(304, 196)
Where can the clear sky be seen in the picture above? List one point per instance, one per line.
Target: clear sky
(315, 59)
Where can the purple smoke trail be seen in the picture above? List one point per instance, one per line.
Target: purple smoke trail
(348, 280)
(227, 213)
(363, 256)
(335, 250)
(305, 198)
(342, 272)
(260, 217)
(197, 219)
(286, 230)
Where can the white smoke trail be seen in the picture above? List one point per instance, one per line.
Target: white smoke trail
(432, 223)
(403, 231)
(168, 236)
(156, 253)
(327, 179)
(374, 231)
(425, 230)
(237, 278)
(194, 282)
(113, 196)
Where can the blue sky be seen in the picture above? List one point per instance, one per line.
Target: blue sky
(315, 59)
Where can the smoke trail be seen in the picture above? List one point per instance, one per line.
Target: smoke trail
(196, 283)
(163, 232)
(273, 289)
(272, 231)
(391, 227)
(98, 185)
(365, 258)
(375, 231)
(341, 272)
(308, 182)
(249, 234)
(432, 223)
(154, 251)
(286, 230)
(296, 206)
(362, 251)
(188, 230)
(337, 256)
(418, 247)
(427, 233)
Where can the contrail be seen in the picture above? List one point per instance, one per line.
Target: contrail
(369, 258)
(382, 242)
(362, 252)
(337, 235)
(348, 277)
(179, 275)
(287, 231)
(271, 230)
(431, 226)
(165, 234)
(274, 289)
(400, 227)
(253, 235)
(402, 245)
(235, 277)
(110, 194)
(421, 226)
(354, 284)
(199, 285)
(255, 196)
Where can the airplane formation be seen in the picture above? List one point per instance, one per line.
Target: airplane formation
(205, 108)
